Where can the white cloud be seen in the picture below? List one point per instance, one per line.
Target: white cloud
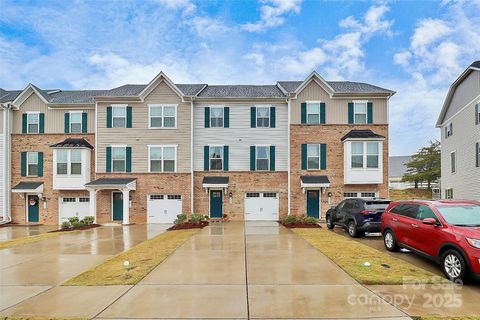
(207, 27)
(373, 21)
(186, 5)
(272, 14)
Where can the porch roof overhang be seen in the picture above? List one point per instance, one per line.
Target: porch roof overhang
(129, 183)
(28, 187)
(314, 182)
(215, 182)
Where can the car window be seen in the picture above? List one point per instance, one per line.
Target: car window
(348, 205)
(340, 205)
(425, 212)
(356, 204)
(397, 209)
(407, 209)
(376, 205)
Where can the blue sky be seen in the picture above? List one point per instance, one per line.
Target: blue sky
(416, 48)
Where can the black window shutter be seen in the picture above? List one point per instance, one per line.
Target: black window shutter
(67, 122)
(272, 158)
(24, 123)
(226, 117)
(303, 112)
(350, 113)
(253, 117)
(24, 164)
(225, 158)
(477, 113)
(84, 122)
(109, 117)
(207, 117)
(322, 112)
(304, 157)
(129, 117)
(272, 117)
(252, 158)
(206, 156)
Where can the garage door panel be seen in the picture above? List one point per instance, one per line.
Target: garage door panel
(261, 206)
(73, 207)
(163, 208)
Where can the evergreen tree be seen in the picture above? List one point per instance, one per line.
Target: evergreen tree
(424, 166)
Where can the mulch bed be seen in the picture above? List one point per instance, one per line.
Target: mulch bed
(10, 224)
(300, 225)
(189, 225)
(91, 226)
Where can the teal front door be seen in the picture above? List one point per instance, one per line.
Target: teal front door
(313, 203)
(216, 204)
(32, 208)
(117, 205)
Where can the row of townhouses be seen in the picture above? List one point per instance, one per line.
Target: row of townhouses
(145, 153)
(459, 122)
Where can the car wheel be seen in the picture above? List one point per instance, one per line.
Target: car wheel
(390, 241)
(454, 265)
(329, 223)
(352, 229)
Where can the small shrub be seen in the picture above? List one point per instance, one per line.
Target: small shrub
(73, 220)
(290, 219)
(301, 218)
(206, 217)
(88, 220)
(311, 220)
(196, 218)
(66, 225)
(181, 218)
(77, 224)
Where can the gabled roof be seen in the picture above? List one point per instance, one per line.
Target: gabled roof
(361, 134)
(73, 143)
(339, 87)
(475, 66)
(241, 91)
(155, 82)
(8, 95)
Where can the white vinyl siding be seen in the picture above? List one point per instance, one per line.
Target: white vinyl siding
(1, 166)
(240, 136)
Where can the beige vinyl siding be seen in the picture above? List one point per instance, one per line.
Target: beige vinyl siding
(1, 121)
(139, 137)
(336, 110)
(465, 92)
(54, 118)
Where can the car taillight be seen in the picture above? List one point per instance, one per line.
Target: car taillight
(367, 211)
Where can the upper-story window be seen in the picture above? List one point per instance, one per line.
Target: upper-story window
(262, 158)
(216, 117)
(163, 116)
(449, 130)
(62, 162)
(453, 162)
(75, 122)
(313, 157)
(263, 117)
(477, 154)
(75, 161)
(477, 113)
(216, 157)
(69, 159)
(162, 158)
(32, 163)
(119, 117)
(360, 112)
(365, 154)
(119, 159)
(33, 122)
(313, 112)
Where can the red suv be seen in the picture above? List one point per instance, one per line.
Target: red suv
(446, 231)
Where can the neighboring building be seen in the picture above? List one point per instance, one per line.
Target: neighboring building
(396, 169)
(459, 122)
(253, 152)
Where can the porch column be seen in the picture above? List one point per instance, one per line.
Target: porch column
(93, 204)
(126, 206)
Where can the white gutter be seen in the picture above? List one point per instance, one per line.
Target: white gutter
(6, 164)
(192, 187)
(288, 156)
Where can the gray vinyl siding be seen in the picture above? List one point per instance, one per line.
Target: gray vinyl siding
(54, 118)
(139, 137)
(240, 136)
(465, 92)
(466, 181)
(336, 110)
(1, 121)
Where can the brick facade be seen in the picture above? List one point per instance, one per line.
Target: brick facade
(330, 135)
(48, 209)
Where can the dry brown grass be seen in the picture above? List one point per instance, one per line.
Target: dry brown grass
(447, 318)
(142, 258)
(410, 194)
(29, 239)
(351, 255)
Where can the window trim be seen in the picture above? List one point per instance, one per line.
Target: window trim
(38, 121)
(162, 127)
(365, 155)
(118, 106)
(28, 164)
(477, 154)
(81, 121)
(124, 146)
(319, 102)
(358, 194)
(449, 130)
(268, 156)
(69, 162)
(319, 156)
(449, 193)
(56, 163)
(175, 146)
(355, 102)
(477, 105)
(269, 116)
(453, 169)
(223, 116)
(210, 146)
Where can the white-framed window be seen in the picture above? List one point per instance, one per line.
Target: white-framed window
(365, 154)
(33, 122)
(119, 116)
(262, 158)
(449, 193)
(75, 161)
(448, 130)
(313, 112)
(162, 158)
(360, 112)
(263, 117)
(75, 121)
(216, 117)
(350, 194)
(65, 200)
(62, 162)
(32, 164)
(477, 112)
(360, 194)
(162, 116)
(313, 157)
(453, 161)
(477, 154)
(119, 158)
(69, 161)
(84, 199)
(216, 157)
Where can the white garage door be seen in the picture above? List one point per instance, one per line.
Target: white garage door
(73, 207)
(163, 208)
(261, 206)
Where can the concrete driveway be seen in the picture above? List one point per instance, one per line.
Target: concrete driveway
(30, 269)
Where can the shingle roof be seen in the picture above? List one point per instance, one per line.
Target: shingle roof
(110, 182)
(190, 89)
(361, 134)
(27, 185)
(215, 180)
(128, 90)
(73, 143)
(6, 96)
(339, 87)
(242, 91)
(74, 96)
(315, 179)
(475, 64)
(396, 165)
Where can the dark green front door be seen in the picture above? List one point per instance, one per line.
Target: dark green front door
(32, 208)
(216, 204)
(117, 206)
(313, 203)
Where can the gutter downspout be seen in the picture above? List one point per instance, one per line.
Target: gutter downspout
(6, 164)
(288, 156)
(192, 197)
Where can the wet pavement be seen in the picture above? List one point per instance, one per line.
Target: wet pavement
(14, 232)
